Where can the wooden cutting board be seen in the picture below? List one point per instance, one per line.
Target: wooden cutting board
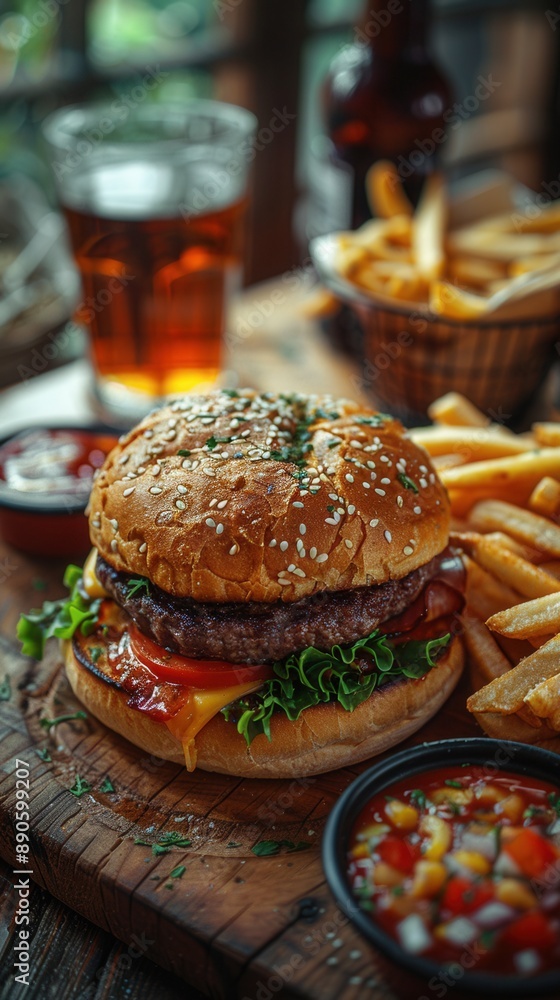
(232, 924)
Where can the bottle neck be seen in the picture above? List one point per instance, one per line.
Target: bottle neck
(390, 27)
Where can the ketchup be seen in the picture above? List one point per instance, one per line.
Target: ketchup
(53, 462)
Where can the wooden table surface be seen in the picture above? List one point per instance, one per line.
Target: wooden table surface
(70, 957)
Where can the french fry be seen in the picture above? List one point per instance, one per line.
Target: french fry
(475, 272)
(429, 226)
(547, 434)
(518, 573)
(485, 656)
(455, 303)
(505, 695)
(475, 444)
(447, 461)
(538, 262)
(544, 701)
(521, 472)
(523, 525)
(525, 551)
(487, 243)
(385, 192)
(455, 410)
(511, 727)
(486, 595)
(526, 713)
(532, 618)
(545, 498)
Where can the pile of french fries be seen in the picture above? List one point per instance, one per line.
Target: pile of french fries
(462, 274)
(505, 499)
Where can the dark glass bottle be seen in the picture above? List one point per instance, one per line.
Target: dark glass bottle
(385, 98)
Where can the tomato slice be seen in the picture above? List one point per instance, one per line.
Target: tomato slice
(191, 672)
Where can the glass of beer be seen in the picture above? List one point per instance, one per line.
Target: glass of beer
(155, 196)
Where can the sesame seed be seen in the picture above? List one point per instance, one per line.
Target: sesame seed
(114, 523)
(114, 545)
(302, 529)
(330, 520)
(385, 481)
(323, 557)
(355, 444)
(219, 529)
(388, 535)
(384, 458)
(349, 477)
(351, 508)
(366, 485)
(149, 433)
(222, 504)
(143, 547)
(272, 543)
(299, 572)
(417, 510)
(423, 483)
(291, 567)
(210, 522)
(96, 523)
(297, 503)
(234, 549)
(348, 543)
(423, 468)
(283, 546)
(312, 552)
(213, 502)
(371, 465)
(333, 496)
(155, 490)
(225, 454)
(380, 493)
(408, 550)
(400, 501)
(432, 477)
(373, 476)
(181, 489)
(141, 469)
(284, 583)
(180, 504)
(208, 472)
(374, 522)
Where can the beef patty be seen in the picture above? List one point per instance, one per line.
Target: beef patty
(253, 632)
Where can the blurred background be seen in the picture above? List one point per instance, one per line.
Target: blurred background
(287, 62)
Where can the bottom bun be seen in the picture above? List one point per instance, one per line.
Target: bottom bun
(324, 737)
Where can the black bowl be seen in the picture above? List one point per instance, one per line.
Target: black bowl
(412, 975)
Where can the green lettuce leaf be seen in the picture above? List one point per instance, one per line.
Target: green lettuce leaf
(313, 676)
(58, 618)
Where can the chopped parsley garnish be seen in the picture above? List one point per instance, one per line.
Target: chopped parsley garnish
(48, 724)
(136, 585)
(554, 800)
(164, 843)
(333, 443)
(233, 843)
(106, 785)
(80, 787)
(178, 872)
(5, 689)
(451, 783)
(407, 482)
(95, 652)
(158, 849)
(314, 676)
(184, 452)
(60, 618)
(43, 755)
(376, 420)
(232, 393)
(268, 848)
(418, 797)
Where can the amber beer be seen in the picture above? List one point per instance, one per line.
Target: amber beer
(155, 294)
(156, 212)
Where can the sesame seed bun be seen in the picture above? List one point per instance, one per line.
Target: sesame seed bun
(246, 497)
(325, 737)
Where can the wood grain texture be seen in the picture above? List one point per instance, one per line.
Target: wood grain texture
(234, 925)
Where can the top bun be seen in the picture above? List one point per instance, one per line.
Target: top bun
(235, 496)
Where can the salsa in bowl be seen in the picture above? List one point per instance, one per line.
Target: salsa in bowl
(447, 858)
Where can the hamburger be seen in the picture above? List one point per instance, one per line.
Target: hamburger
(270, 591)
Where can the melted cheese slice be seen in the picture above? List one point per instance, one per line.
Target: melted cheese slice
(198, 710)
(91, 584)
